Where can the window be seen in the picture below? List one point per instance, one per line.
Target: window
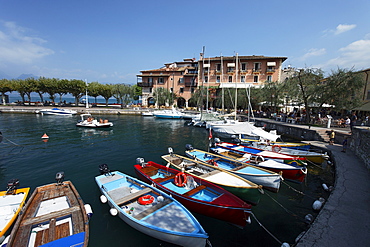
(218, 67)
(150, 79)
(218, 79)
(269, 78)
(230, 79)
(171, 89)
(257, 67)
(242, 78)
(150, 90)
(206, 79)
(160, 80)
(192, 90)
(230, 70)
(181, 80)
(255, 78)
(181, 90)
(244, 67)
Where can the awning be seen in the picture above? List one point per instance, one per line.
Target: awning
(364, 107)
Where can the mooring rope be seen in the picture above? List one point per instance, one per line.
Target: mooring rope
(266, 229)
(294, 189)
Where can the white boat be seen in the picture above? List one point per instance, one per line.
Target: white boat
(89, 122)
(55, 215)
(57, 111)
(147, 114)
(172, 114)
(11, 203)
(149, 210)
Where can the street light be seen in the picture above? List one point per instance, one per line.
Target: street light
(87, 99)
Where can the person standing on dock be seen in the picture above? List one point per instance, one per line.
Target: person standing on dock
(332, 137)
(353, 120)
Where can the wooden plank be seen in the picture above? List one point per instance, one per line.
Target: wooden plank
(133, 196)
(52, 224)
(195, 190)
(46, 217)
(152, 209)
(239, 167)
(62, 231)
(149, 170)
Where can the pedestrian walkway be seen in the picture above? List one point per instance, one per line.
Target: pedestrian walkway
(345, 218)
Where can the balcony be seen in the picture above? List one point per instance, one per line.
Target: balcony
(257, 71)
(145, 84)
(270, 71)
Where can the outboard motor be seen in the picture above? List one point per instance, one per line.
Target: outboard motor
(236, 140)
(141, 161)
(104, 169)
(59, 177)
(12, 185)
(170, 151)
(189, 147)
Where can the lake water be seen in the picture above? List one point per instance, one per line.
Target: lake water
(78, 152)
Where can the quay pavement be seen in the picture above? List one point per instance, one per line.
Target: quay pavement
(344, 220)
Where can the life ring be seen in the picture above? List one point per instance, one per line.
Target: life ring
(276, 148)
(180, 179)
(212, 162)
(146, 200)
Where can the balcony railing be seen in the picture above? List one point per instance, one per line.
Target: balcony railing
(145, 84)
(191, 84)
(270, 70)
(256, 70)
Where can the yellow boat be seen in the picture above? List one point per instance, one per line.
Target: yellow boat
(11, 203)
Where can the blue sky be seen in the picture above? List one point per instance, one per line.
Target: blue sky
(111, 41)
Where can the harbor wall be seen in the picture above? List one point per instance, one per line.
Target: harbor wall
(360, 144)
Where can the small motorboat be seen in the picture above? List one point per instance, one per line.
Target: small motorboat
(149, 210)
(55, 215)
(57, 111)
(171, 114)
(89, 122)
(244, 189)
(11, 203)
(196, 194)
(268, 179)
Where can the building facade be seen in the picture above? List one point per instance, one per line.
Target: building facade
(183, 78)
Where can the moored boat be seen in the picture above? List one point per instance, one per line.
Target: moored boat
(149, 210)
(88, 121)
(171, 114)
(11, 202)
(268, 179)
(55, 215)
(196, 194)
(244, 189)
(290, 171)
(57, 111)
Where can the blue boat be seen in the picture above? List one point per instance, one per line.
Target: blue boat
(149, 210)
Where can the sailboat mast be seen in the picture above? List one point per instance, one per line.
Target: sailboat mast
(223, 90)
(236, 86)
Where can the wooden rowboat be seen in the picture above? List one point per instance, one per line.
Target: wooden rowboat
(55, 215)
(244, 189)
(196, 194)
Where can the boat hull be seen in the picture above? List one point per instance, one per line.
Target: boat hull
(225, 207)
(165, 214)
(54, 215)
(13, 204)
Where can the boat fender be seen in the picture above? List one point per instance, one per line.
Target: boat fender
(89, 211)
(160, 199)
(318, 204)
(299, 236)
(248, 220)
(308, 219)
(113, 211)
(103, 199)
(285, 245)
(180, 179)
(146, 200)
(325, 187)
(189, 147)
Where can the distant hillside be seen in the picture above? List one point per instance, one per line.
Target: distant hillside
(25, 76)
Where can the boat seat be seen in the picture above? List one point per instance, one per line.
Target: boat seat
(161, 180)
(195, 190)
(152, 209)
(239, 167)
(133, 196)
(150, 170)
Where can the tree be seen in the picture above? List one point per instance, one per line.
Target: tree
(5, 86)
(93, 89)
(162, 96)
(341, 89)
(77, 88)
(305, 86)
(105, 90)
(123, 93)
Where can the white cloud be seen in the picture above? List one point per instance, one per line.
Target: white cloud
(341, 28)
(313, 53)
(19, 48)
(356, 54)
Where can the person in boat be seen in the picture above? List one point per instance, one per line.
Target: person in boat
(100, 120)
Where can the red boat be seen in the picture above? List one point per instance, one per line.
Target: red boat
(196, 194)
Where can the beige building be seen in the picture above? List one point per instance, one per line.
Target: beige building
(183, 78)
